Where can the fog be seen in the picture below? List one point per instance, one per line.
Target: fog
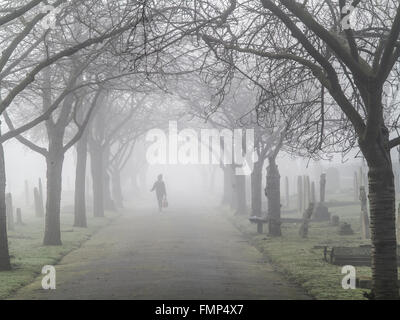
(188, 185)
(178, 149)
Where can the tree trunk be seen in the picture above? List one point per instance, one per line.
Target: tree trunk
(80, 180)
(9, 212)
(383, 233)
(256, 189)
(108, 200)
(54, 160)
(383, 218)
(274, 199)
(116, 188)
(4, 254)
(398, 219)
(96, 163)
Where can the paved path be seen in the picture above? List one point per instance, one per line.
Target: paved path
(181, 254)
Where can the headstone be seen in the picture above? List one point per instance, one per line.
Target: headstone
(321, 212)
(19, 217)
(300, 194)
(27, 202)
(322, 185)
(313, 199)
(287, 191)
(303, 231)
(345, 229)
(306, 192)
(356, 187)
(41, 190)
(360, 177)
(335, 221)
(9, 212)
(364, 220)
(39, 210)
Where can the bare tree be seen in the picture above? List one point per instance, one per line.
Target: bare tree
(353, 67)
(23, 38)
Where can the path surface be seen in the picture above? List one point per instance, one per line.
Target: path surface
(181, 254)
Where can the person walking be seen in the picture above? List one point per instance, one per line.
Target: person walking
(161, 193)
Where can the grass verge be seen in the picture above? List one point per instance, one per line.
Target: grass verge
(28, 255)
(301, 260)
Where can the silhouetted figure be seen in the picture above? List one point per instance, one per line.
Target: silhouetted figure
(161, 193)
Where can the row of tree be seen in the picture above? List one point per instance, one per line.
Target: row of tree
(314, 85)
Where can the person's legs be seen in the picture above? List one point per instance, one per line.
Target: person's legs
(159, 200)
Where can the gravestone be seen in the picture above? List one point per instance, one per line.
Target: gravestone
(287, 191)
(306, 192)
(321, 212)
(19, 217)
(300, 194)
(335, 221)
(303, 231)
(362, 178)
(364, 220)
(41, 190)
(322, 186)
(356, 187)
(9, 212)
(345, 229)
(39, 210)
(313, 199)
